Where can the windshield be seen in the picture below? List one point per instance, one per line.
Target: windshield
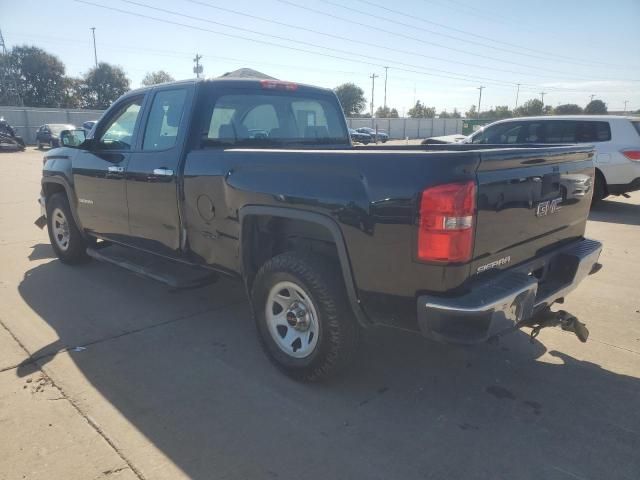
(275, 119)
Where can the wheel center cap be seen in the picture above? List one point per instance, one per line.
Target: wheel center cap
(297, 316)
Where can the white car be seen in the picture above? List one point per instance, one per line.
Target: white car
(616, 138)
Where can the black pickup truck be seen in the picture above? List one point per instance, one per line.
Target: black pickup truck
(259, 180)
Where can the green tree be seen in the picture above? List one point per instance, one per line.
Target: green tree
(351, 98)
(568, 109)
(444, 114)
(472, 112)
(421, 111)
(103, 85)
(386, 112)
(547, 110)
(500, 112)
(39, 76)
(73, 96)
(154, 78)
(595, 107)
(529, 108)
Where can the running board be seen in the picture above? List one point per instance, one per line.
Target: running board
(172, 273)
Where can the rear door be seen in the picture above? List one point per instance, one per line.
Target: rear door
(530, 200)
(152, 172)
(98, 173)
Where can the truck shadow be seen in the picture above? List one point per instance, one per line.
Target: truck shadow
(613, 211)
(186, 371)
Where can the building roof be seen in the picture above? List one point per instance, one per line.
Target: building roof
(246, 73)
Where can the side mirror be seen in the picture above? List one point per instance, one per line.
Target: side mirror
(72, 138)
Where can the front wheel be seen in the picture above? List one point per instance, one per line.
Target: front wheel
(66, 239)
(303, 317)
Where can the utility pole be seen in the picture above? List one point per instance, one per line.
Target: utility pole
(517, 95)
(542, 94)
(95, 52)
(198, 68)
(592, 97)
(386, 72)
(7, 77)
(480, 88)
(373, 87)
(625, 105)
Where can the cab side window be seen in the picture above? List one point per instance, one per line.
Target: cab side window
(117, 134)
(163, 125)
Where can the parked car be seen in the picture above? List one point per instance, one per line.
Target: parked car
(327, 239)
(381, 135)
(8, 138)
(444, 139)
(88, 125)
(358, 137)
(49, 134)
(616, 140)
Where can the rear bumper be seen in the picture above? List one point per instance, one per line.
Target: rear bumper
(508, 297)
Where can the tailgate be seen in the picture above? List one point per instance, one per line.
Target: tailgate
(530, 200)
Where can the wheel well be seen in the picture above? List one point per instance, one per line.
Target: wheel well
(265, 236)
(604, 180)
(50, 188)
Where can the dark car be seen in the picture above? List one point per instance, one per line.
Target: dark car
(88, 125)
(326, 238)
(380, 135)
(358, 137)
(49, 134)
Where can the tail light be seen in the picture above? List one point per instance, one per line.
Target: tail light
(446, 228)
(278, 85)
(632, 155)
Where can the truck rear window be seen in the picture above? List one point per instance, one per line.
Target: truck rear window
(273, 120)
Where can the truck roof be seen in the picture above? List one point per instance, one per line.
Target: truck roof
(235, 82)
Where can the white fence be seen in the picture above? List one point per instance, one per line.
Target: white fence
(410, 127)
(26, 121)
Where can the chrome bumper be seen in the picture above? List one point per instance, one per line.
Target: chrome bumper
(509, 297)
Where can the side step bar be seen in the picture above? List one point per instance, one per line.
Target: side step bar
(172, 273)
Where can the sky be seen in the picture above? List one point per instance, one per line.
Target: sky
(436, 51)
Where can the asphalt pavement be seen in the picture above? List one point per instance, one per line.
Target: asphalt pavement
(106, 375)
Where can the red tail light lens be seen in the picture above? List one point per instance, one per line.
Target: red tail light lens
(632, 155)
(446, 228)
(278, 85)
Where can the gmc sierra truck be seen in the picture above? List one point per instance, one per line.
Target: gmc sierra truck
(258, 179)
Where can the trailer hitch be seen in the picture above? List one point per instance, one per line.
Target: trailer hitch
(547, 318)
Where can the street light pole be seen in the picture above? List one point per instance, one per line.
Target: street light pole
(517, 95)
(95, 53)
(625, 105)
(542, 94)
(480, 88)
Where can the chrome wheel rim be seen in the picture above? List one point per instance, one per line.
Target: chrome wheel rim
(60, 228)
(292, 319)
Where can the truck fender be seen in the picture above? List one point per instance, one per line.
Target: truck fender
(61, 181)
(312, 217)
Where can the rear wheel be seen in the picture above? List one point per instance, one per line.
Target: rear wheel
(599, 189)
(304, 321)
(66, 239)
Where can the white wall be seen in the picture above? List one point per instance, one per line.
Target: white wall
(410, 127)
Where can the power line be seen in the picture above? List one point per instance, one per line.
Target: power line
(289, 40)
(378, 29)
(347, 39)
(545, 56)
(289, 46)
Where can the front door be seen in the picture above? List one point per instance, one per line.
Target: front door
(99, 172)
(152, 173)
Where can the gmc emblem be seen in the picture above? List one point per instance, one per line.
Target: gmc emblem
(548, 207)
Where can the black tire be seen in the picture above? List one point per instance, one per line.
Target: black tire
(339, 332)
(599, 189)
(384, 140)
(76, 248)
(38, 144)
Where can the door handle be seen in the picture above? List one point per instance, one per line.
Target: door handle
(115, 169)
(163, 172)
